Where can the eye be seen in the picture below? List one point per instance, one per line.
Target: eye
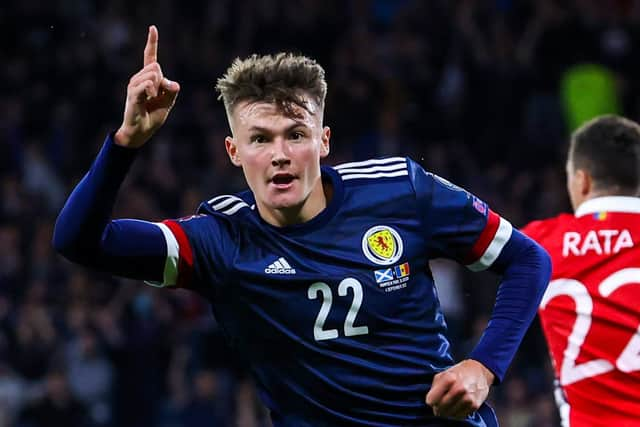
(296, 135)
(258, 138)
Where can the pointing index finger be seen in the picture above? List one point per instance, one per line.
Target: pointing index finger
(151, 49)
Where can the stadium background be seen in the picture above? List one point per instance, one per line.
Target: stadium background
(483, 93)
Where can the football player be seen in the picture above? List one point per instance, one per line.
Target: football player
(318, 275)
(590, 312)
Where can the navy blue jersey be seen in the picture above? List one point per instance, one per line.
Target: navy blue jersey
(338, 318)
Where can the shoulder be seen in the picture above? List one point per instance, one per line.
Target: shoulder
(392, 168)
(229, 205)
(376, 182)
(374, 170)
(394, 175)
(219, 219)
(540, 230)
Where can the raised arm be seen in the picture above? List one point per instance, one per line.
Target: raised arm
(84, 232)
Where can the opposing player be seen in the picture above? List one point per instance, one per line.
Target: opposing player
(590, 312)
(317, 275)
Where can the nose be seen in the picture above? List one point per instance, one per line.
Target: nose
(280, 152)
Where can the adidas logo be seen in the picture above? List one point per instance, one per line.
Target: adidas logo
(281, 266)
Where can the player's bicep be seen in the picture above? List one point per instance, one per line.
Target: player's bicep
(178, 260)
(490, 242)
(200, 249)
(458, 225)
(131, 248)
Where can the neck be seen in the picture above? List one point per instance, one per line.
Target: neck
(594, 193)
(612, 191)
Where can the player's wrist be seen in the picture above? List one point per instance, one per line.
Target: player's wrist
(122, 138)
(486, 372)
(125, 138)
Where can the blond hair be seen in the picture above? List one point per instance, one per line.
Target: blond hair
(282, 79)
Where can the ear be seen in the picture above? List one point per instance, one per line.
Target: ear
(232, 151)
(584, 182)
(324, 144)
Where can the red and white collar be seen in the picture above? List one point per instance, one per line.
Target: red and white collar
(609, 204)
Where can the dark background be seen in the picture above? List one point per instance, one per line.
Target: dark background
(483, 93)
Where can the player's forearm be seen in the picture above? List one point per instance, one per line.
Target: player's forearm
(84, 233)
(86, 212)
(526, 269)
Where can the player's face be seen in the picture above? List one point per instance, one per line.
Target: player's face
(280, 156)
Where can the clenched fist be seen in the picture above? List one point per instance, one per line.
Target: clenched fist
(460, 390)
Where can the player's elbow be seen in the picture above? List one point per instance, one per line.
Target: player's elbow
(547, 262)
(526, 260)
(543, 261)
(66, 244)
(61, 243)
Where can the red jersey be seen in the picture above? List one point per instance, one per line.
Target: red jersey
(590, 312)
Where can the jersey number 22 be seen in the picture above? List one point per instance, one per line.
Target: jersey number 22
(628, 360)
(319, 333)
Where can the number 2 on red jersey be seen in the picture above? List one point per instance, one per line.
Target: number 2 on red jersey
(629, 358)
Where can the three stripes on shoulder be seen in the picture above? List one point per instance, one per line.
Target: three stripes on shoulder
(227, 204)
(377, 168)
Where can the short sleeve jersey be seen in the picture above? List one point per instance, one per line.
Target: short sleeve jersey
(590, 312)
(338, 318)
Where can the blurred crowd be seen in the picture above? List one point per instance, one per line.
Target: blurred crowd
(483, 93)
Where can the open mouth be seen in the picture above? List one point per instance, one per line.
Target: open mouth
(282, 179)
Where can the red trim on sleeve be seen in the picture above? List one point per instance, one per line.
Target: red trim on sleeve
(185, 255)
(485, 238)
